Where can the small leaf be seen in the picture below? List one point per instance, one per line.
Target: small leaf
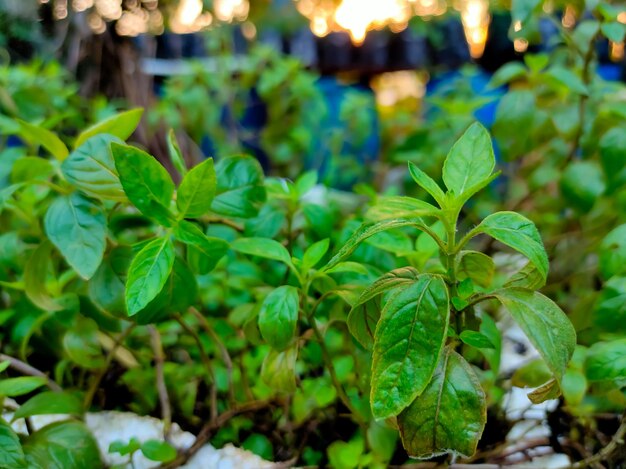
(470, 161)
(545, 392)
(49, 402)
(476, 339)
(606, 361)
(19, 386)
(240, 191)
(582, 183)
(520, 233)
(156, 450)
(574, 386)
(348, 267)
(568, 79)
(528, 277)
(262, 247)
(36, 135)
(545, 325)
(121, 125)
(4, 365)
(408, 341)
(211, 249)
(476, 266)
(176, 155)
(278, 317)
(507, 73)
(314, 254)
(279, 369)
(449, 416)
(77, 227)
(35, 275)
(197, 190)
(148, 273)
(146, 183)
(91, 169)
(387, 207)
(12, 455)
(306, 182)
(427, 183)
(124, 448)
(613, 253)
(614, 31)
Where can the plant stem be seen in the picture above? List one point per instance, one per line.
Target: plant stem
(164, 399)
(222, 348)
(26, 369)
(608, 450)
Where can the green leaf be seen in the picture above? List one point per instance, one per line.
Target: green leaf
(427, 183)
(91, 169)
(259, 445)
(35, 275)
(36, 135)
(12, 455)
(449, 416)
(4, 365)
(545, 325)
(240, 191)
(476, 339)
(348, 267)
(77, 227)
(476, 266)
(262, 247)
(31, 168)
(278, 317)
(306, 182)
(210, 249)
(124, 448)
(366, 231)
(107, 287)
(148, 273)
(346, 454)
(522, 9)
(610, 311)
(387, 207)
(176, 155)
(470, 161)
(156, 450)
(549, 390)
(568, 79)
(528, 277)
(197, 190)
(146, 183)
(365, 312)
(48, 403)
(520, 233)
(62, 445)
(408, 341)
(582, 183)
(606, 361)
(613, 253)
(314, 254)
(19, 386)
(574, 386)
(614, 31)
(279, 369)
(612, 151)
(507, 73)
(81, 344)
(512, 129)
(121, 125)
(532, 374)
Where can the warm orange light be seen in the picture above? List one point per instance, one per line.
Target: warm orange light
(475, 18)
(229, 10)
(616, 51)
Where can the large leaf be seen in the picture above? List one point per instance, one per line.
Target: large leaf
(240, 191)
(449, 416)
(520, 233)
(545, 325)
(91, 169)
(197, 190)
(148, 273)
(606, 361)
(12, 455)
(262, 247)
(210, 249)
(470, 161)
(50, 402)
(62, 445)
(77, 227)
(407, 344)
(120, 125)
(146, 182)
(365, 312)
(35, 275)
(36, 135)
(278, 317)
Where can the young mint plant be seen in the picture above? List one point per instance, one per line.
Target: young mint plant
(419, 375)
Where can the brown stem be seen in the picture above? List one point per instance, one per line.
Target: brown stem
(206, 362)
(26, 369)
(214, 424)
(606, 452)
(164, 399)
(91, 392)
(222, 348)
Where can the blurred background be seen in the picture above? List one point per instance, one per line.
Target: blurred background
(346, 87)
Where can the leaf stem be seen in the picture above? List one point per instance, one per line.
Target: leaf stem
(26, 369)
(608, 450)
(164, 399)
